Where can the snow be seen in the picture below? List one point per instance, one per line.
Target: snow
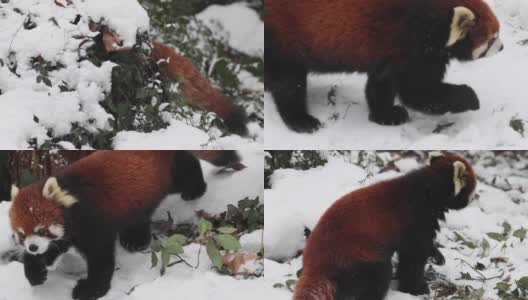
(134, 275)
(298, 198)
(59, 41)
(246, 32)
(122, 16)
(499, 82)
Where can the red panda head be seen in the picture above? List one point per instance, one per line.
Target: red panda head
(474, 31)
(35, 220)
(459, 175)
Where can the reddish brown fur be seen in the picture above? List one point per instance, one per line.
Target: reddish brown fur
(487, 22)
(194, 85)
(31, 210)
(356, 32)
(115, 191)
(361, 227)
(118, 191)
(121, 191)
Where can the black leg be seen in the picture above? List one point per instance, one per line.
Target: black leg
(136, 237)
(381, 94)
(368, 281)
(56, 248)
(411, 265)
(35, 269)
(100, 258)
(187, 176)
(421, 88)
(286, 80)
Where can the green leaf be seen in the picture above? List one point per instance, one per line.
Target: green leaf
(153, 259)
(507, 227)
(497, 236)
(165, 258)
(465, 242)
(290, 283)
(520, 234)
(156, 246)
(47, 81)
(523, 283)
(178, 238)
(227, 241)
(227, 230)
(214, 254)
(278, 285)
(204, 226)
(173, 247)
(502, 286)
(484, 244)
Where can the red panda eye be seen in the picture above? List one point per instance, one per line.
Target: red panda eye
(41, 231)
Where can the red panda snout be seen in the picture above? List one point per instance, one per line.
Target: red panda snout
(491, 47)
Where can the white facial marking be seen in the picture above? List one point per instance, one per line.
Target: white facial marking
(37, 228)
(35, 244)
(458, 176)
(57, 230)
(20, 230)
(488, 49)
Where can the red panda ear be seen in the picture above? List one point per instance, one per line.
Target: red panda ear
(463, 21)
(434, 155)
(14, 191)
(53, 192)
(459, 170)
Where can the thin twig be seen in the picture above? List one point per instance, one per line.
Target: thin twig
(483, 278)
(16, 32)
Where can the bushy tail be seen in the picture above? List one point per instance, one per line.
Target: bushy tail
(199, 90)
(314, 287)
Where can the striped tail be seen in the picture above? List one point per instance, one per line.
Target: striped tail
(314, 287)
(199, 90)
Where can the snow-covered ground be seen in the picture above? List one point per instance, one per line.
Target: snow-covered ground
(134, 279)
(499, 81)
(297, 200)
(33, 109)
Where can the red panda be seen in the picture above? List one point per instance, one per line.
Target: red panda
(348, 254)
(95, 199)
(195, 86)
(404, 47)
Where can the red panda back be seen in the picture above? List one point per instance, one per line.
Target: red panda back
(360, 226)
(120, 184)
(338, 32)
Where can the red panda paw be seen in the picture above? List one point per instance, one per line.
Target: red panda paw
(35, 269)
(237, 121)
(194, 190)
(136, 238)
(393, 116)
(304, 123)
(462, 98)
(416, 289)
(88, 290)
